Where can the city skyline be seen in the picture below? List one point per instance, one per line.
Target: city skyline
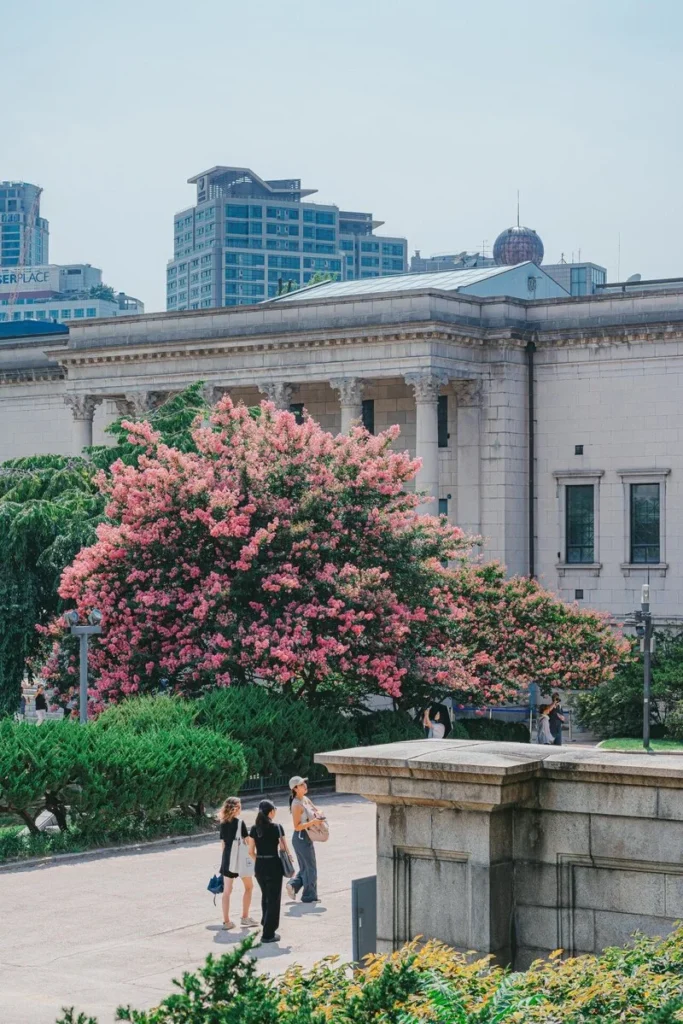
(453, 109)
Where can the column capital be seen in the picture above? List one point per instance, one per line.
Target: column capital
(135, 404)
(427, 384)
(213, 393)
(82, 406)
(468, 392)
(350, 389)
(277, 392)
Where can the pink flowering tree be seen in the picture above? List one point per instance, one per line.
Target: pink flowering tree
(276, 551)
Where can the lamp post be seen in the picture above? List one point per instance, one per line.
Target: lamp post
(644, 631)
(83, 632)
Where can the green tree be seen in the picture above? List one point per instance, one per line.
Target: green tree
(102, 291)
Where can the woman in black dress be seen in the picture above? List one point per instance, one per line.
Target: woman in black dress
(230, 821)
(266, 839)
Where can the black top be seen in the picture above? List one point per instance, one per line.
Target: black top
(41, 703)
(229, 831)
(553, 718)
(267, 844)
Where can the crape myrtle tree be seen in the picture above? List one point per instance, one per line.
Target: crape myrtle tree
(50, 507)
(273, 551)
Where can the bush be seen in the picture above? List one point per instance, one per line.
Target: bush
(494, 729)
(431, 984)
(141, 714)
(100, 772)
(279, 735)
(385, 727)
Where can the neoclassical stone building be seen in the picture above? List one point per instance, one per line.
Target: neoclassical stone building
(552, 427)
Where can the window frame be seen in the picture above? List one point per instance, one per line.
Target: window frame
(568, 545)
(570, 478)
(644, 476)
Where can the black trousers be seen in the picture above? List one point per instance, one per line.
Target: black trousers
(269, 877)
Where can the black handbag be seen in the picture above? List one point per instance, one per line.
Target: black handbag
(288, 869)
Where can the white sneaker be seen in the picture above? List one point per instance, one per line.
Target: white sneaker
(249, 922)
(291, 891)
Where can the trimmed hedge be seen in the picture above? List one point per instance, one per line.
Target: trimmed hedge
(494, 729)
(431, 985)
(99, 773)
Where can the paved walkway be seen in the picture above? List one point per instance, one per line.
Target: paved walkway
(117, 930)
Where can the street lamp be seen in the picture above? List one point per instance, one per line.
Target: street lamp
(644, 631)
(83, 632)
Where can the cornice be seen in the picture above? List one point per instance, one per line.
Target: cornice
(619, 334)
(153, 351)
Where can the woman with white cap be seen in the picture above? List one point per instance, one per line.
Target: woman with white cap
(304, 815)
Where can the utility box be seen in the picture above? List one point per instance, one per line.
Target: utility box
(364, 916)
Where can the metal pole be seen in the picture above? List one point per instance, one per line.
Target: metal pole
(84, 677)
(647, 664)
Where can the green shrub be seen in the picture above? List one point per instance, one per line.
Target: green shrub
(494, 729)
(141, 714)
(279, 735)
(430, 985)
(385, 727)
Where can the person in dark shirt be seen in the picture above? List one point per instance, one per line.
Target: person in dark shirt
(556, 718)
(41, 706)
(266, 839)
(230, 825)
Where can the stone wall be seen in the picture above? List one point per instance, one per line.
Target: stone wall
(518, 850)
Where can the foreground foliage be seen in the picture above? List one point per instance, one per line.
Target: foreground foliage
(268, 549)
(642, 984)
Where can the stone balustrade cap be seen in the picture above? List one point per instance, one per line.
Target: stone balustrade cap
(457, 757)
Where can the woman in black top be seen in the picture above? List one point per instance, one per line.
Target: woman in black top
(41, 706)
(229, 818)
(266, 839)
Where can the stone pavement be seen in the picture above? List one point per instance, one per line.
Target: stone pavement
(117, 930)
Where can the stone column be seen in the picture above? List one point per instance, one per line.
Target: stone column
(468, 455)
(350, 399)
(82, 409)
(426, 387)
(277, 392)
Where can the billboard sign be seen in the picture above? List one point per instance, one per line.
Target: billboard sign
(26, 280)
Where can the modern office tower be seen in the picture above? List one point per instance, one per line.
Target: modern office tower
(247, 239)
(60, 294)
(24, 234)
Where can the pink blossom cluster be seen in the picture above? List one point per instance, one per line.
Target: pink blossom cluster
(278, 551)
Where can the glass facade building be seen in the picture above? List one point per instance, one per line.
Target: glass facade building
(248, 239)
(24, 234)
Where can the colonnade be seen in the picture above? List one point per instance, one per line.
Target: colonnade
(426, 386)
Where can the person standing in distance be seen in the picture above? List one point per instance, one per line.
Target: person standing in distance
(41, 705)
(304, 814)
(266, 839)
(556, 718)
(436, 730)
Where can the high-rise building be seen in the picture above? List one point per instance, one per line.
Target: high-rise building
(24, 234)
(247, 239)
(60, 294)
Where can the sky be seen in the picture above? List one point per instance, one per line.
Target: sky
(429, 113)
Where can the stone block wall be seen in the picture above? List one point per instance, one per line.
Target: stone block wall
(518, 850)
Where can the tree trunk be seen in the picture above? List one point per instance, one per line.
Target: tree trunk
(55, 806)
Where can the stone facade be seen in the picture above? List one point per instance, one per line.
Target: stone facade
(516, 850)
(607, 375)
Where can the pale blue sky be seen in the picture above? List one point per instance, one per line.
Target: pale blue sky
(429, 113)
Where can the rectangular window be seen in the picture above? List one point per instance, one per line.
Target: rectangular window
(79, 312)
(309, 215)
(233, 210)
(54, 314)
(443, 506)
(91, 311)
(580, 523)
(368, 414)
(298, 409)
(325, 234)
(645, 506)
(324, 217)
(66, 314)
(236, 227)
(442, 420)
(369, 261)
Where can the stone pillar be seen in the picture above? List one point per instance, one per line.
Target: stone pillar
(468, 455)
(350, 399)
(277, 392)
(213, 393)
(426, 387)
(517, 849)
(82, 409)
